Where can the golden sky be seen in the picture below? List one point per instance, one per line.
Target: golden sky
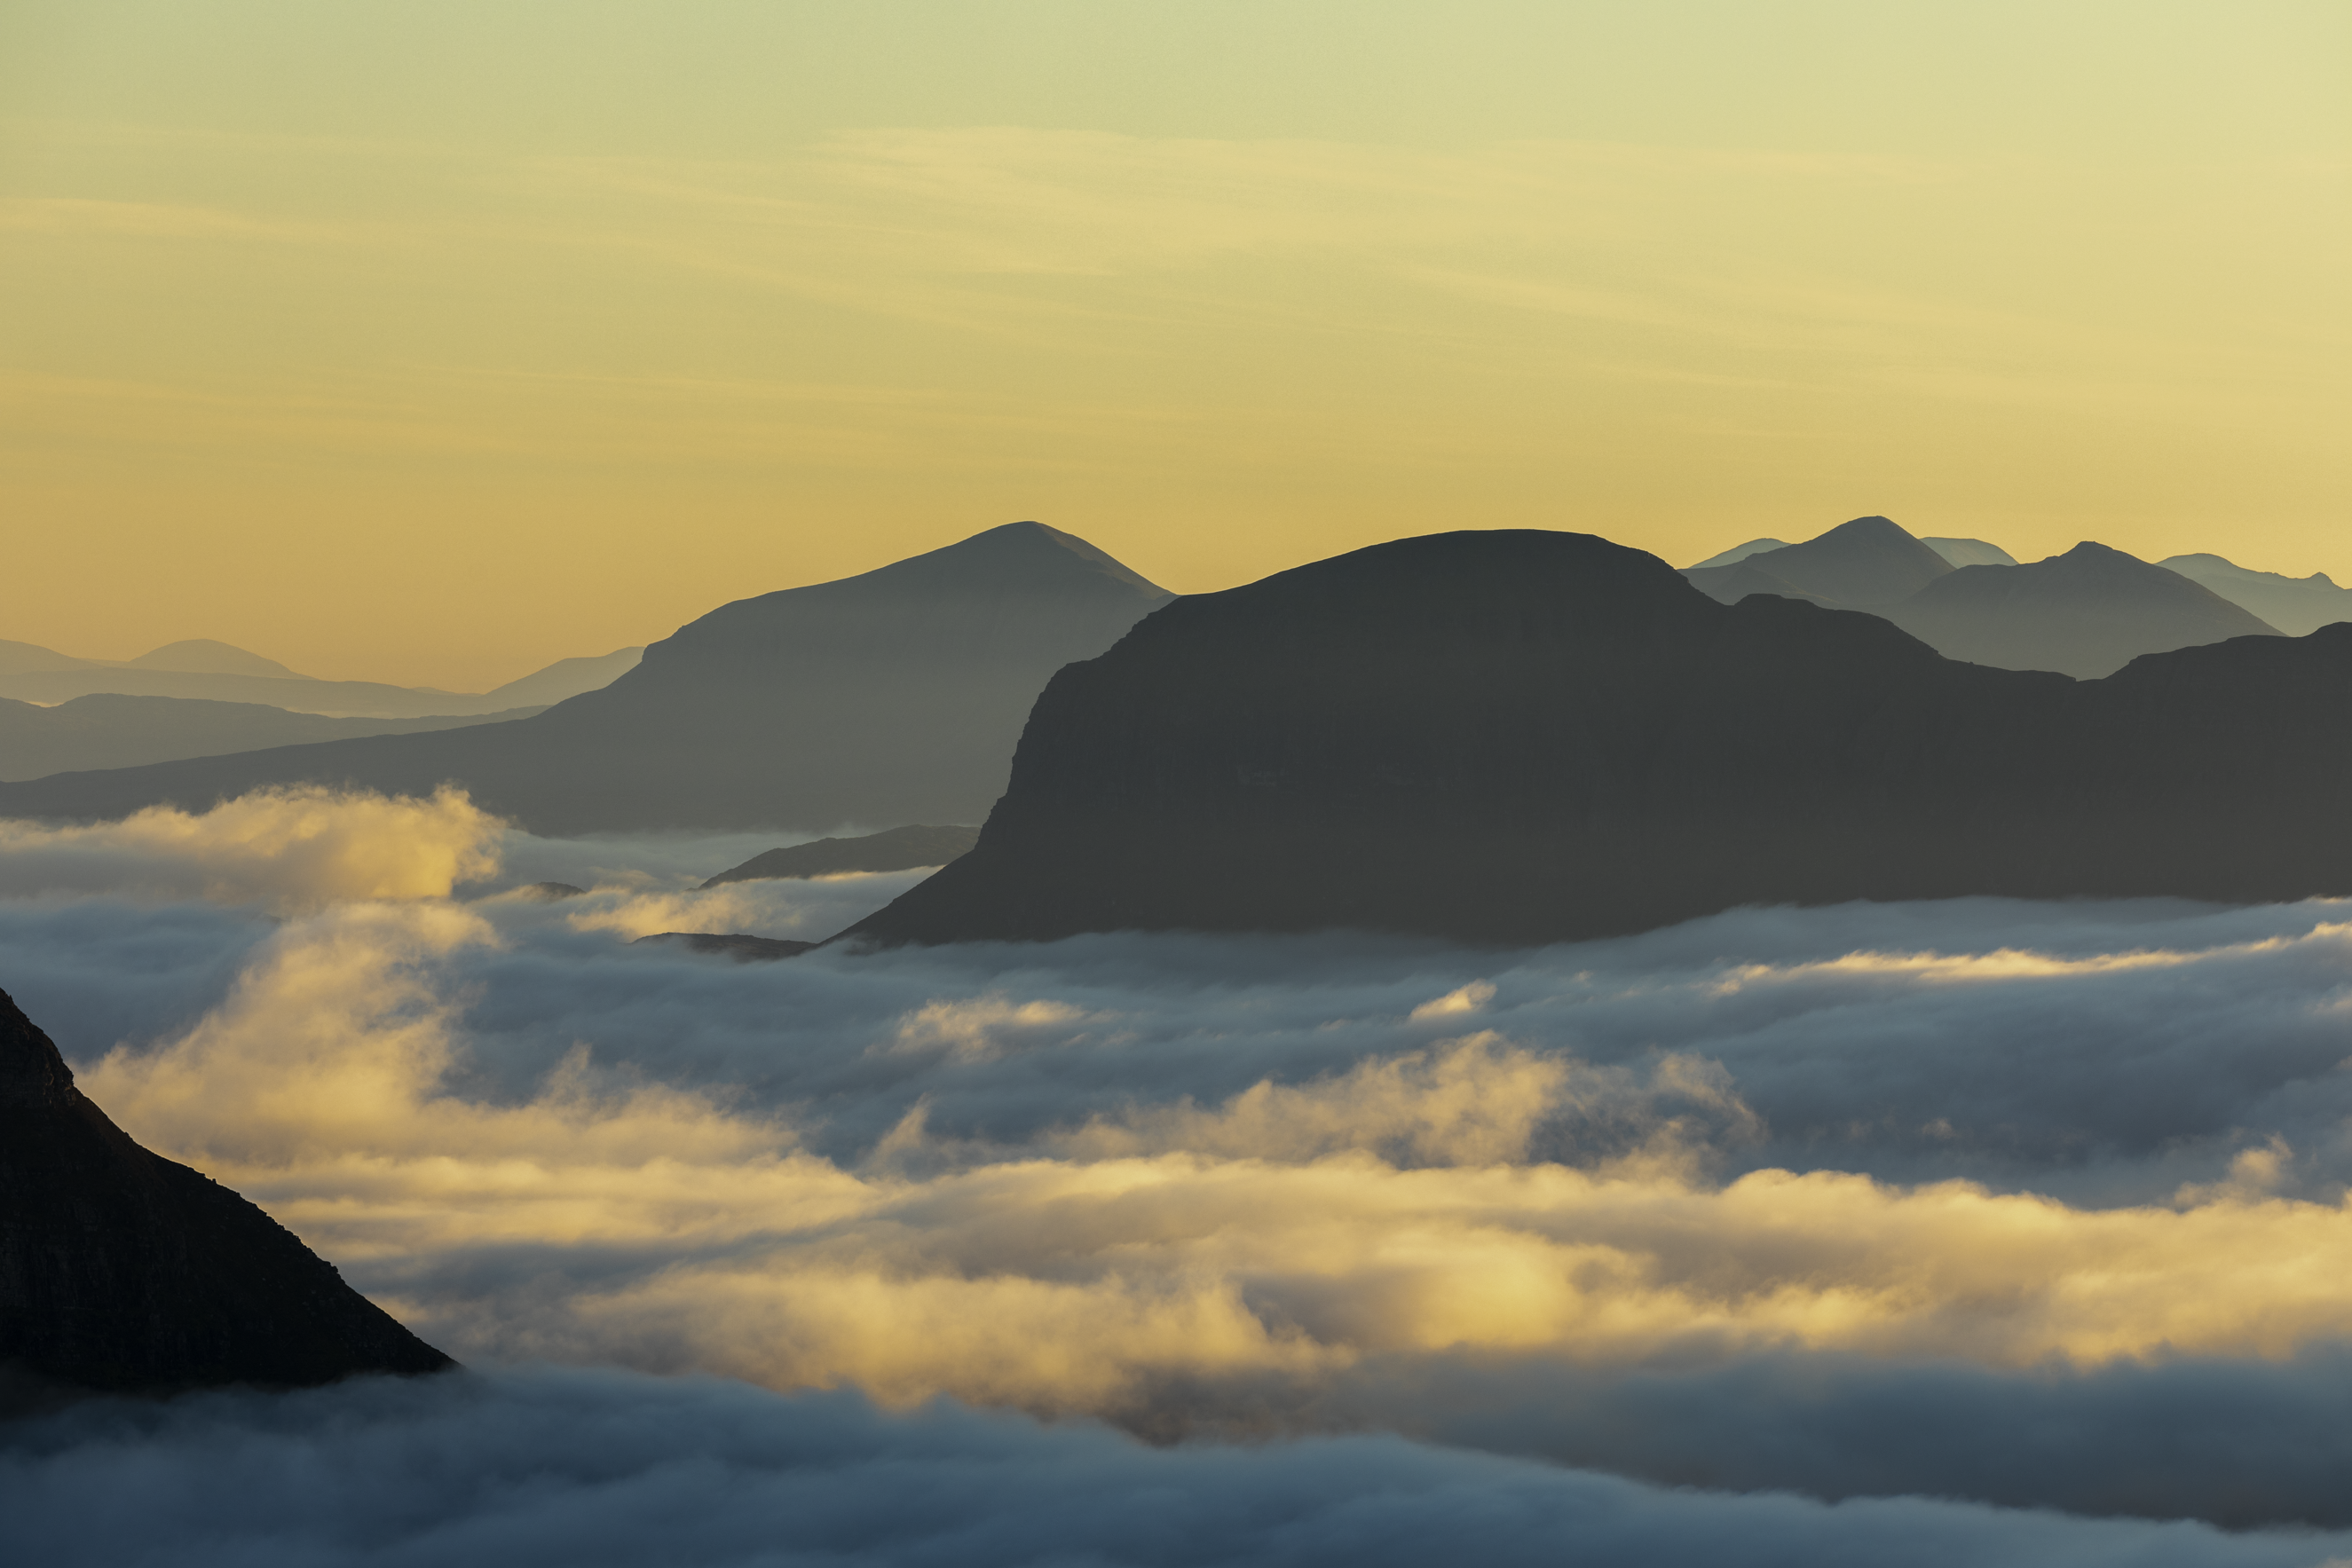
(432, 342)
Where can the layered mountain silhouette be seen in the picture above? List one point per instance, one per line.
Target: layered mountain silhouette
(2085, 613)
(202, 670)
(1956, 551)
(1523, 736)
(122, 1271)
(897, 849)
(1738, 553)
(2292, 604)
(895, 695)
(1866, 564)
(110, 731)
(1969, 552)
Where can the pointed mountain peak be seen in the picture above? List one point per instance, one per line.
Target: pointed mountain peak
(1013, 557)
(1863, 563)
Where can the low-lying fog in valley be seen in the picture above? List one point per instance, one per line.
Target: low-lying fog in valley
(1975, 1231)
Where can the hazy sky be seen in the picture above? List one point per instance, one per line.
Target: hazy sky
(430, 342)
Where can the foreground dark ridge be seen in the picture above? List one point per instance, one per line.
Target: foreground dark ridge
(896, 695)
(1528, 737)
(124, 1272)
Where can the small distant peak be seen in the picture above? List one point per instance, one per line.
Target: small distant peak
(203, 656)
(1025, 546)
(1873, 525)
(2092, 550)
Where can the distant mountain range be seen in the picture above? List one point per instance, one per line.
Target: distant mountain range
(110, 731)
(1521, 736)
(1958, 552)
(2085, 613)
(122, 1271)
(2088, 613)
(206, 671)
(2293, 605)
(893, 696)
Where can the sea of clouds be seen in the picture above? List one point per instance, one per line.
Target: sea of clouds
(1991, 1229)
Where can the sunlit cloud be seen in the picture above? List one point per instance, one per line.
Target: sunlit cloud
(287, 849)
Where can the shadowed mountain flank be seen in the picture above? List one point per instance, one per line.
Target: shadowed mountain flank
(567, 678)
(2085, 613)
(898, 849)
(1523, 736)
(1737, 553)
(122, 1271)
(1861, 565)
(2293, 605)
(897, 694)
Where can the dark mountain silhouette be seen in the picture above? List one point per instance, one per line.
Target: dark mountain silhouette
(110, 731)
(1861, 565)
(124, 1272)
(1969, 552)
(2295, 605)
(2085, 613)
(896, 695)
(1738, 553)
(735, 944)
(1522, 736)
(898, 849)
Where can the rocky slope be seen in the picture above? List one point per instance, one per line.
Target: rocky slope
(122, 1271)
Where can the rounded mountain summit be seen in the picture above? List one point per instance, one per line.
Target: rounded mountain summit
(892, 696)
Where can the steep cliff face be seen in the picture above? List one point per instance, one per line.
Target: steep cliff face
(893, 696)
(1528, 737)
(122, 1271)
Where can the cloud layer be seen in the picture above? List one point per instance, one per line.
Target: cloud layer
(578, 1468)
(2031, 1205)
